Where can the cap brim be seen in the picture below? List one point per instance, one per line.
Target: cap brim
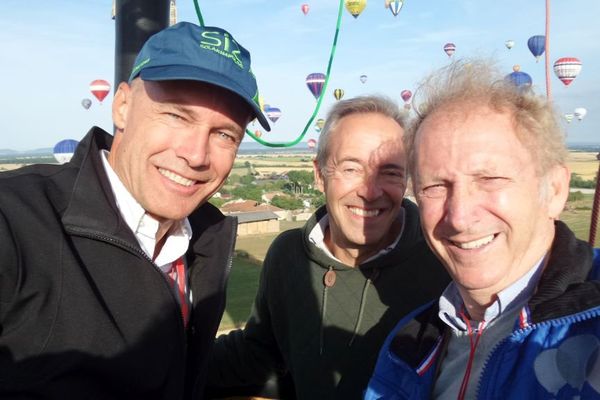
(174, 73)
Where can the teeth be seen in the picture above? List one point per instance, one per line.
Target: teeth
(475, 244)
(175, 178)
(364, 213)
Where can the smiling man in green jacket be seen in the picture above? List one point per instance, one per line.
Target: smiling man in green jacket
(330, 291)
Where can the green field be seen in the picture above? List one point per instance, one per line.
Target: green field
(245, 272)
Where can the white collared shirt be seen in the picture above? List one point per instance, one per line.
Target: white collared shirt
(451, 303)
(144, 226)
(317, 237)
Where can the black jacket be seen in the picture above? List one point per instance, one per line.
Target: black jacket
(84, 313)
(326, 338)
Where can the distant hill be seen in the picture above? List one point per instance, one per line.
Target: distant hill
(25, 153)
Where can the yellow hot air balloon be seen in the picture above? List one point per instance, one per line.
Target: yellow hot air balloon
(338, 93)
(355, 7)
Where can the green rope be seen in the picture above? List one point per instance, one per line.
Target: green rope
(318, 106)
(198, 13)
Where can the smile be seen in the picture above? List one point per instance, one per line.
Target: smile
(475, 244)
(176, 178)
(361, 212)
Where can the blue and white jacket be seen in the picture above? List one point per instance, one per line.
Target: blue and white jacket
(552, 353)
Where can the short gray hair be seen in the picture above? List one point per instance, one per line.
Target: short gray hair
(357, 105)
(465, 84)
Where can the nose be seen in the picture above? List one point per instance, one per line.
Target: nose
(194, 148)
(460, 209)
(369, 188)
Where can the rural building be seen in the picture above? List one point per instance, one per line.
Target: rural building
(256, 222)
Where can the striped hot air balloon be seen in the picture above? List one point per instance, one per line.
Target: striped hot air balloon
(100, 89)
(312, 143)
(315, 82)
(449, 48)
(338, 93)
(395, 6)
(567, 69)
(569, 117)
(273, 113)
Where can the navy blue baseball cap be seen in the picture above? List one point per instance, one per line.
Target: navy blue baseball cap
(186, 51)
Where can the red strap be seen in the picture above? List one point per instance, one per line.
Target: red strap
(465, 381)
(177, 275)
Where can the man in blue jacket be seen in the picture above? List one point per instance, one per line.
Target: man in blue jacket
(113, 266)
(521, 318)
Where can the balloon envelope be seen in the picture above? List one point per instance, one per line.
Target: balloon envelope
(509, 44)
(363, 78)
(63, 150)
(315, 83)
(406, 95)
(395, 6)
(355, 7)
(338, 93)
(520, 79)
(100, 89)
(305, 7)
(537, 45)
(273, 113)
(312, 143)
(86, 103)
(449, 48)
(580, 113)
(567, 69)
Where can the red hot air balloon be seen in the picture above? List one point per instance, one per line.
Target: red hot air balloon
(315, 83)
(449, 48)
(406, 95)
(567, 69)
(312, 143)
(305, 7)
(100, 89)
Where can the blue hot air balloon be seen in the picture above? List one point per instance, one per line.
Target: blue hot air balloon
(520, 79)
(537, 46)
(273, 113)
(315, 82)
(63, 150)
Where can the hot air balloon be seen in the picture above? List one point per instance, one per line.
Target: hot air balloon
(315, 83)
(580, 113)
(338, 93)
(63, 150)
(100, 89)
(257, 133)
(537, 45)
(363, 78)
(305, 7)
(86, 103)
(521, 79)
(569, 117)
(273, 113)
(567, 69)
(449, 48)
(312, 143)
(406, 95)
(355, 7)
(395, 6)
(509, 44)
(319, 124)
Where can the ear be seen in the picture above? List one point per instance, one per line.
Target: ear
(319, 180)
(121, 102)
(558, 179)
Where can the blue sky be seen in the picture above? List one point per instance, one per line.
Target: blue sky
(52, 50)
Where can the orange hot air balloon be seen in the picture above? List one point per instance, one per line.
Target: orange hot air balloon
(100, 89)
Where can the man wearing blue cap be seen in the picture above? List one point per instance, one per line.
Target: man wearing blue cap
(113, 271)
